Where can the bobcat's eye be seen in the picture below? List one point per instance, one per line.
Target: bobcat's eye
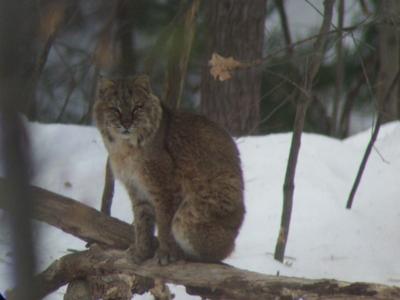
(136, 108)
(116, 111)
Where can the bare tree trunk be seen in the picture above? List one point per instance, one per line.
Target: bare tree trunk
(389, 45)
(18, 25)
(234, 28)
(301, 109)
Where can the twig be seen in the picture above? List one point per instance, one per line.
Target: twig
(71, 88)
(288, 97)
(364, 7)
(344, 123)
(367, 66)
(370, 89)
(265, 59)
(371, 143)
(48, 42)
(86, 118)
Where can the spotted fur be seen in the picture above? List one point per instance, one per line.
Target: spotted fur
(182, 172)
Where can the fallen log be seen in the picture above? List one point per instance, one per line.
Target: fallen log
(76, 218)
(217, 281)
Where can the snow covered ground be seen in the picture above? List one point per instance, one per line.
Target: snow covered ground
(326, 240)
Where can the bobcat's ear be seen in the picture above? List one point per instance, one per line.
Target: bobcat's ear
(142, 81)
(104, 83)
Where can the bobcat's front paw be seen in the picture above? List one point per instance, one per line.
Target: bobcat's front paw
(140, 254)
(166, 255)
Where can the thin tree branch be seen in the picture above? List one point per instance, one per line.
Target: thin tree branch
(301, 109)
(108, 191)
(285, 26)
(50, 26)
(266, 58)
(339, 70)
(86, 118)
(364, 7)
(71, 88)
(370, 89)
(344, 123)
(371, 143)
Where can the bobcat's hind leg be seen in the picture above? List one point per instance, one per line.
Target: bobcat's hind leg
(201, 239)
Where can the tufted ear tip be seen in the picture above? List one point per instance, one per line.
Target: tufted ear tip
(103, 82)
(143, 81)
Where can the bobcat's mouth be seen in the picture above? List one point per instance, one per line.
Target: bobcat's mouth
(125, 132)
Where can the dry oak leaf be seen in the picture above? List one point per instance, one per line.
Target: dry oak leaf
(222, 67)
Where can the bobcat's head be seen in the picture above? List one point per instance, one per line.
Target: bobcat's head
(127, 109)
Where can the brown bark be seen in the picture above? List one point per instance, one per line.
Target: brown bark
(66, 213)
(234, 28)
(301, 109)
(220, 281)
(78, 290)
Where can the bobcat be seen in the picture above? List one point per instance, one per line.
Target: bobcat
(182, 172)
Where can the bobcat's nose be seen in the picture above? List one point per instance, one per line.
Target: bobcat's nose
(126, 123)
